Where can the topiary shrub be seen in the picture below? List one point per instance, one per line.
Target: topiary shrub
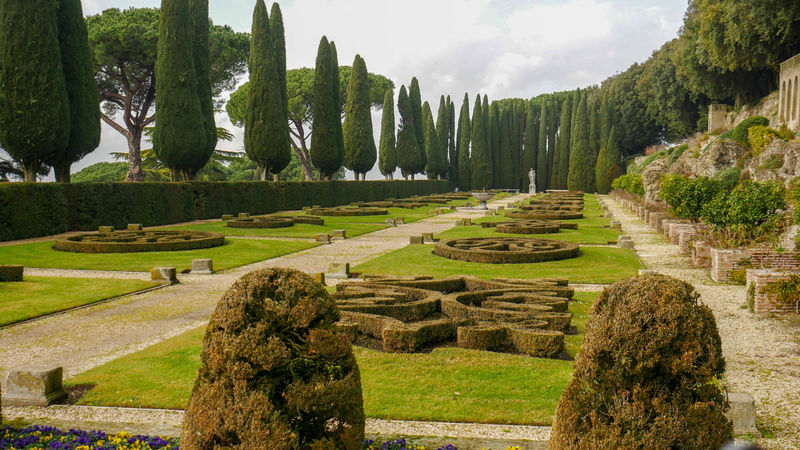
(646, 376)
(274, 371)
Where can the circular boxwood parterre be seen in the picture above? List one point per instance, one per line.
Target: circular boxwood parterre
(139, 241)
(272, 221)
(543, 214)
(408, 315)
(502, 250)
(529, 226)
(342, 211)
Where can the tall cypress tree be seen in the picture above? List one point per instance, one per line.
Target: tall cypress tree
(606, 118)
(494, 145)
(452, 173)
(34, 104)
(480, 159)
(464, 137)
(407, 147)
(337, 96)
(179, 140)
(542, 168)
(280, 158)
(609, 163)
(326, 154)
(433, 165)
(360, 153)
(552, 130)
(530, 143)
(388, 157)
(415, 97)
(594, 128)
(505, 169)
(581, 161)
(564, 142)
(84, 102)
(202, 68)
(442, 135)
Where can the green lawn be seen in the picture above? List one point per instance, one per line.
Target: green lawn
(235, 252)
(447, 384)
(296, 231)
(38, 296)
(595, 265)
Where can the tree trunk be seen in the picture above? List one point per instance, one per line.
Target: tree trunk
(262, 173)
(363, 177)
(135, 172)
(439, 176)
(412, 176)
(355, 175)
(62, 172)
(30, 171)
(276, 177)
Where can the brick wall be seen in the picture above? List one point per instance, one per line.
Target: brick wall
(724, 261)
(763, 302)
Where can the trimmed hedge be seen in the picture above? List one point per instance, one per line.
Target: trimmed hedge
(42, 209)
(11, 273)
(139, 241)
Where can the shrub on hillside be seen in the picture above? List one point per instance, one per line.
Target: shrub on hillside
(745, 208)
(728, 178)
(741, 134)
(647, 374)
(686, 197)
(760, 137)
(631, 183)
(274, 371)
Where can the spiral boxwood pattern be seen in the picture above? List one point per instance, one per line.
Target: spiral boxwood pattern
(496, 250)
(139, 241)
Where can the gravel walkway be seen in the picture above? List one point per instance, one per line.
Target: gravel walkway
(762, 353)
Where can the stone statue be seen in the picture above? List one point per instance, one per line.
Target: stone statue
(532, 176)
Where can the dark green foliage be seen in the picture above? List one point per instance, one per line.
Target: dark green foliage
(84, 103)
(740, 133)
(687, 197)
(542, 167)
(202, 66)
(480, 158)
(408, 150)
(433, 166)
(326, 138)
(746, 210)
(415, 97)
(179, 138)
(594, 127)
(581, 158)
(728, 178)
(464, 138)
(531, 144)
(631, 183)
(443, 136)
(606, 118)
(275, 372)
(647, 374)
(360, 153)
(388, 157)
(494, 144)
(505, 161)
(608, 163)
(452, 150)
(552, 131)
(35, 113)
(796, 198)
(564, 142)
(32, 210)
(281, 159)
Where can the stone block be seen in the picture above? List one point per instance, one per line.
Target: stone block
(34, 386)
(464, 223)
(628, 244)
(490, 212)
(339, 234)
(427, 238)
(390, 222)
(202, 266)
(227, 217)
(105, 229)
(243, 215)
(324, 238)
(501, 208)
(399, 221)
(616, 226)
(338, 271)
(609, 215)
(743, 414)
(414, 240)
(11, 273)
(166, 275)
(135, 227)
(724, 261)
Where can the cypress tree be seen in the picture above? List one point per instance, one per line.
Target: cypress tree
(609, 165)
(464, 137)
(442, 135)
(480, 159)
(337, 97)
(407, 147)
(359, 143)
(84, 102)
(179, 140)
(552, 130)
(504, 144)
(415, 97)
(432, 166)
(388, 157)
(494, 145)
(202, 68)
(581, 161)
(594, 127)
(326, 154)
(606, 118)
(542, 169)
(281, 158)
(564, 142)
(530, 144)
(487, 125)
(452, 173)
(514, 145)
(34, 104)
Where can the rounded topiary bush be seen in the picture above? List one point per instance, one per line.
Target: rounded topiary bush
(646, 376)
(274, 371)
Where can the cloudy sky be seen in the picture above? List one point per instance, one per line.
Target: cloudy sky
(503, 48)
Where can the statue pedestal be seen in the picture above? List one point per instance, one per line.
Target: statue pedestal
(532, 189)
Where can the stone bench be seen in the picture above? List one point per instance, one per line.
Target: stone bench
(202, 267)
(105, 229)
(399, 221)
(323, 238)
(338, 271)
(339, 234)
(415, 240)
(625, 242)
(390, 222)
(243, 215)
(135, 227)
(227, 217)
(164, 275)
(616, 226)
(464, 223)
(34, 386)
(427, 238)
(743, 414)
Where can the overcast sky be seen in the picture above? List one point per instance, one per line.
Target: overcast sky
(502, 48)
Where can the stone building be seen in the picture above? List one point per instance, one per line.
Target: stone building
(789, 109)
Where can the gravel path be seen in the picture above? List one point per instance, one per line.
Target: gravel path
(762, 352)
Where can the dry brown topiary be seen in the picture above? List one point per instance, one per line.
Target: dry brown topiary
(646, 376)
(275, 373)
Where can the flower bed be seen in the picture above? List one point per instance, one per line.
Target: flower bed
(49, 437)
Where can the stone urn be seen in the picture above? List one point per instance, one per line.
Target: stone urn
(483, 197)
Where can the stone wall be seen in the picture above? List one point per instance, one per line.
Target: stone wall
(789, 98)
(717, 116)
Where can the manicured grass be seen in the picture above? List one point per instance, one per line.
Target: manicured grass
(595, 265)
(235, 252)
(296, 231)
(38, 296)
(447, 384)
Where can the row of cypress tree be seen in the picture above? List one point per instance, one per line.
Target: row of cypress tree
(49, 106)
